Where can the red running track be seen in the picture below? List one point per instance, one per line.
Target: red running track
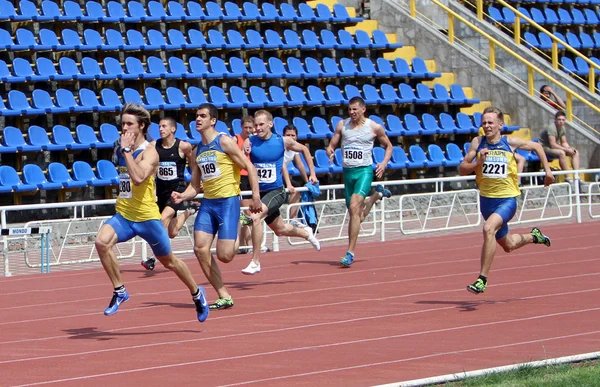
(400, 313)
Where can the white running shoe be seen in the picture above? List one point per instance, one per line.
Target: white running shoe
(312, 239)
(252, 268)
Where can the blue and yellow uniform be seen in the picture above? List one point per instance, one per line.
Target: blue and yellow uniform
(137, 211)
(497, 182)
(220, 208)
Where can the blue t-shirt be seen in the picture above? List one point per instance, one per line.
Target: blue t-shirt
(267, 157)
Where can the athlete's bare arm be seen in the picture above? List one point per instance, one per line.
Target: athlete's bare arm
(230, 147)
(142, 167)
(519, 143)
(467, 166)
(383, 139)
(334, 141)
(292, 144)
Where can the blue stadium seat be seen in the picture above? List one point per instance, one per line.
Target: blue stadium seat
(537, 15)
(315, 93)
(458, 95)
(435, 156)
(418, 157)
(6, 75)
(196, 96)
(107, 171)
(419, 67)
(109, 134)
(591, 16)
(22, 69)
(66, 99)
(403, 69)
(412, 125)
(258, 69)
(154, 131)
(551, 16)
(423, 92)
(6, 41)
(18, 102)
(453, 154)
(321, 128)
(27, 12)
(399, 158)
(10, 178)
(322, 164)
(83, 172)
(86, 136)
(15, 142)
(587, 42)
(568, 65)
(298, 98)
(531, 40)
(132, 95)
(61, 135)
(304, 132)
(495, 14)
(394, 126)
(334, 95)
(33, 175)
(259, 96)
(38, 137)
(430, 125)
(583, 68)
(466, 147)
(447, 124)
(406, 93)
(338, 160)
(278, 125)
(388, 93)
(378, 156)
(110, 100)
(239, 98)
(42, 101)
(238, 69)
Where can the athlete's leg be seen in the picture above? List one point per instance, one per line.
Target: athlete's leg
(355, 213)
(488, 250)
(116, 229)
(202, 243)
(105, 241)
(294, 198)
(368, 204)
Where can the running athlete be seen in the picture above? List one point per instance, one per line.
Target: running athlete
(247, 130)
(293, 182)
(357, 134)
(496, 171)
(172, 154)
(137, 212)
(218, 162)
(266, 151)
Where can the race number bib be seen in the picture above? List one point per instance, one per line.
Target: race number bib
(124, 186)
(495, 169)
(209, 165)
(265, 172)
(167, 170)
(354, 155)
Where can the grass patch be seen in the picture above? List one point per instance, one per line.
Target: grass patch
(582, 374)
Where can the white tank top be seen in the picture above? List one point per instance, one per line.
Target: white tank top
(289, 156)
(357, 145)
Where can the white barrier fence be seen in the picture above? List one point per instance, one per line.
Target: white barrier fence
(72, 240)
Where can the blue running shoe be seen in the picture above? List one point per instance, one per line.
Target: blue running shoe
(386, 193)
(117, 299)
(201, 305)
(347, 260)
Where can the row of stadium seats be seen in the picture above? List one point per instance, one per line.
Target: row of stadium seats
(579, 67)
(62, 139)
(134, 40)
(133, 68)
(235, 97)
(58, 176)
(547, 16)
(556, 2)
(135, 12)
(578, 41)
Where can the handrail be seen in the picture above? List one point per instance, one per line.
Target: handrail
(493, 42)
(555, 41)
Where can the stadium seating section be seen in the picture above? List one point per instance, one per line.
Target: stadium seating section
(67, 67)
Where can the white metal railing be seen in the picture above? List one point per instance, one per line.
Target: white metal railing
(536, 203)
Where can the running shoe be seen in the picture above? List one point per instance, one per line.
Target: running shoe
(117, 299)
(477, 287)
(347, 260)
(149, 263)
(538, 237)
(222, 303)
(386, 193)
(252, 268)
(312, 239)
(245, 219)
(201, 304)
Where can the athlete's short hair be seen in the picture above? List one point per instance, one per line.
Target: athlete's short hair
(495, 110)
(212, 110)
(290, 127)
(247, 119)
(140, 113)
(171, 121)
(357, 100)
(265, 113)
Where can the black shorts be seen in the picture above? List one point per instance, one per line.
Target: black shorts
(163, 198)
(245, 183)
(273, 199)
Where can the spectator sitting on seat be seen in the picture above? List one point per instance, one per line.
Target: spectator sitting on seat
(554, 140)
(546, 94)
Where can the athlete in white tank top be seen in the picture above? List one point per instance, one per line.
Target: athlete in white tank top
(357, 144)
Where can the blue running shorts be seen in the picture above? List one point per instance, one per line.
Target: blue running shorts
(505, 207)
(219, 216)
(152, 231)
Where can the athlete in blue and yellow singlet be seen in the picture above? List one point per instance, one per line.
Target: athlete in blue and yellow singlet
(218, 164)
(496, 174)
(137, 212)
